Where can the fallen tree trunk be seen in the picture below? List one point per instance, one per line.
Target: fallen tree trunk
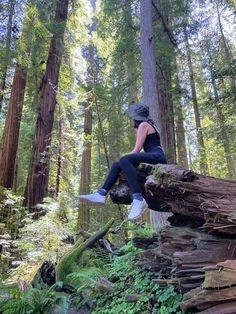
(208, 201)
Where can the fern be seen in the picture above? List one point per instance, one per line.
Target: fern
(87, 277)
(33, 301)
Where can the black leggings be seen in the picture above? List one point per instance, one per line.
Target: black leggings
(128, 165)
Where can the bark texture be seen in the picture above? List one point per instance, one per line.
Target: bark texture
(149, 79)
(199, 265)
(5, 62)
(60, 152)
(37, 182)
(226, 50)
(179, 128)
(200, 139)
(130, 54)
(224, 138)
(9, 146)
(85, 179)
(207, 201)
(163, 71)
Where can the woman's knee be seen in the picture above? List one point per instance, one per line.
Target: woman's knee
(116, 165)
(124, 160)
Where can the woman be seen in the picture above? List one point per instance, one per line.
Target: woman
(148, 138)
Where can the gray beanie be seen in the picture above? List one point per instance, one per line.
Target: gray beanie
(138, 112)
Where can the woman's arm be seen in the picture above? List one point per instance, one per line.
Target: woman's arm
(140, 137)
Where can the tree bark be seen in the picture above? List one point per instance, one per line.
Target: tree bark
(224, 139)
(199, 265)
(227, 53)
(85, 177)
(201, 145)
(37, 182)
(60, 151)
(149, 79)
(207, 202)
(180, 130)
(223, 132)
(130, 55)
(5, 62)
(163, 70)
(9, 146)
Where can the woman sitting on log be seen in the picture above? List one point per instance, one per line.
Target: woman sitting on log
(148, 138)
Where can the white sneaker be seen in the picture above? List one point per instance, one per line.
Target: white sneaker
(137, 208)
(95, 198)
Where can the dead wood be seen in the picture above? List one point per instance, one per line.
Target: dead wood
(197, 264)
(209, 201)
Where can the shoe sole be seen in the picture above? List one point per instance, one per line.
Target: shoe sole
(90, 203)
(142, 212)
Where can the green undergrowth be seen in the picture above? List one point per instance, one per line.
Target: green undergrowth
(32, 301)
(126, 279)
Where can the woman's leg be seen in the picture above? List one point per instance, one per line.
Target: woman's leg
(99, 197)
(130, 162)
(112, 176)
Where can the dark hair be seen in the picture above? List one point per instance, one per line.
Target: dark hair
(137, 123)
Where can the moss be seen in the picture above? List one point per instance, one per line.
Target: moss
(70, 261)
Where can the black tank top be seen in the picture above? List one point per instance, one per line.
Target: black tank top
(152, 142)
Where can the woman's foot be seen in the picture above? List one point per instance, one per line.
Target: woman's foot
(94, 198)
(137, 209)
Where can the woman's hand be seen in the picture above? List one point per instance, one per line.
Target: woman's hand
(140, 137)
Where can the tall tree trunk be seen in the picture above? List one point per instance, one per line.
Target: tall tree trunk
(130, 54)
(37, 182)
(131, 75)
(103, 139)
(226, 50)
(5, 61)
(180, 130)
(85, 177)
(163, 71)
(225, 141)
(60, 151)
(129, 34)
(149, 80)
(201, 145)
(11, 129)
(221, 120)
(15, 181)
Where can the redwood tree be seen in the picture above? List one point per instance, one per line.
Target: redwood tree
(37, 181)
(149, 79)
(179, 127)
(5, 61)
(11, 129)
(224, 136)
(200, 139)
(164, 55)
